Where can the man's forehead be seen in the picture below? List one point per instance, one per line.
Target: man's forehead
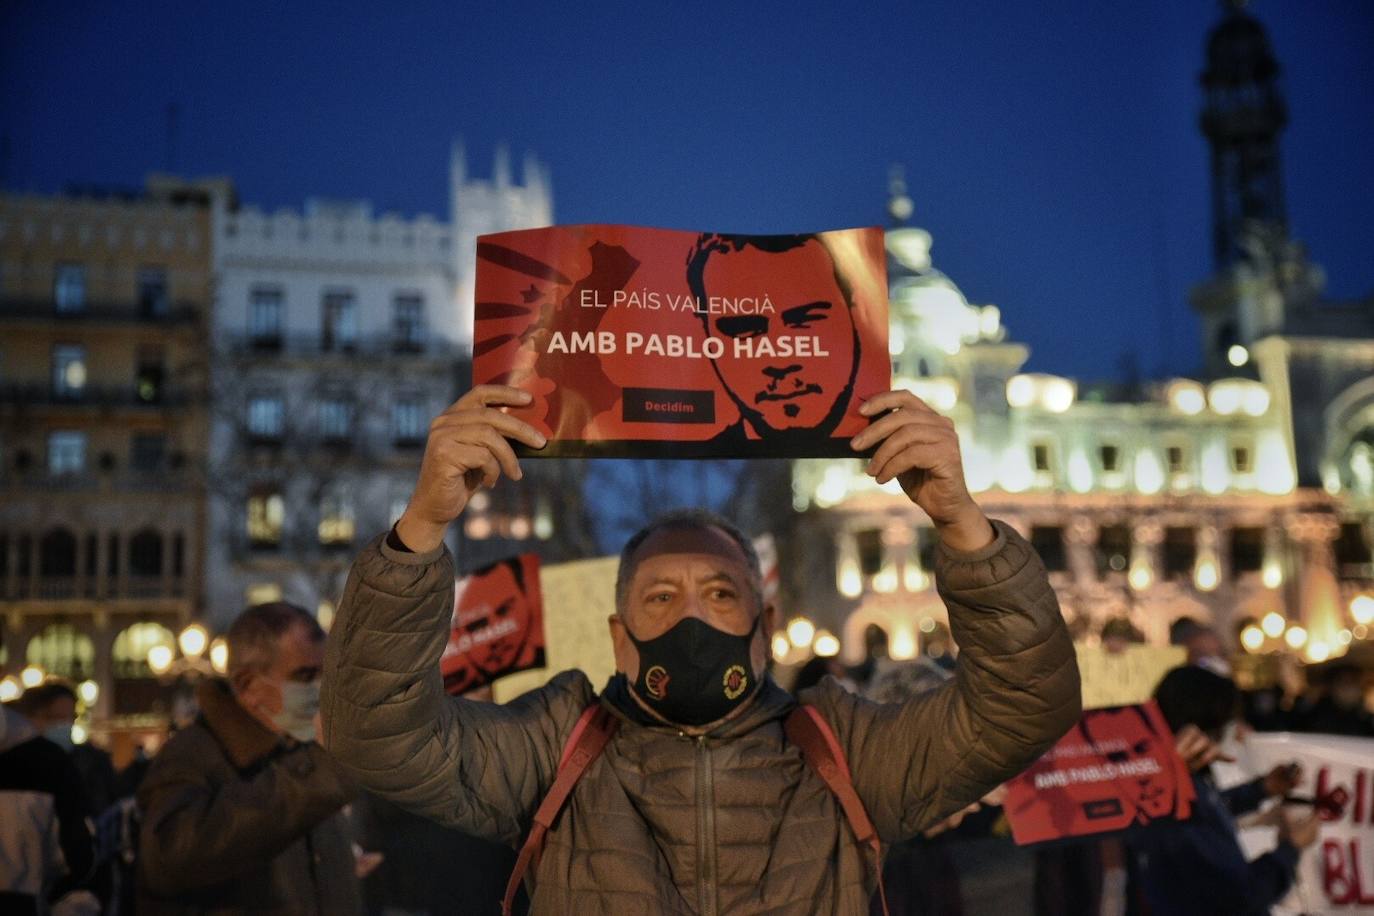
(667, 543)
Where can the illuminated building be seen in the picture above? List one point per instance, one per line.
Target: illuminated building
(1246, 492)
(104, 300)
(338, 336)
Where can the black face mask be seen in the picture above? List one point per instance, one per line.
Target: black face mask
(695, 673)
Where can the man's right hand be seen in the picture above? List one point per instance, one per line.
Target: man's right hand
(466, 450)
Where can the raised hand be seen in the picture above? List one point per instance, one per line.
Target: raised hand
(466, 450)
(920, 449)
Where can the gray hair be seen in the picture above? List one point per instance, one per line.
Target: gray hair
(254, 639)
(685, 520)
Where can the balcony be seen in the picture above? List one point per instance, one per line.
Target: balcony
(91, 588)
(180, 480)
(174, 313)
(314, 346)
(93, 396)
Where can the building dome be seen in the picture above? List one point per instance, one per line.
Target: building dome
(930, 316)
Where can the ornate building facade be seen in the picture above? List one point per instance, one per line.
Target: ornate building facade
(104, 308)
(338, 336)
(1242, 496)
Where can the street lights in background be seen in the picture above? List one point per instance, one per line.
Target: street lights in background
(800, 640)
(199, 656)
(1274, 631)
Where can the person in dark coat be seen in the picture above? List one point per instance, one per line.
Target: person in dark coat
(242, 810)
(1197, 866)
(45, 842)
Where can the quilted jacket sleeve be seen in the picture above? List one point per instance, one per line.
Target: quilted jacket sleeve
(480, 767)
(1016, 691)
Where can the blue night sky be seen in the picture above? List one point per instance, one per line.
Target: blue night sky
(1052, 148)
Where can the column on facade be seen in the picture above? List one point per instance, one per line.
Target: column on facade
(1318, 594)
(103, 636)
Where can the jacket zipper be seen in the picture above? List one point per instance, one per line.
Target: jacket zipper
(706, 829)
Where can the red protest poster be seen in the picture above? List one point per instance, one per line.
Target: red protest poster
(657, 342)
(1115, 769)
(498, 624)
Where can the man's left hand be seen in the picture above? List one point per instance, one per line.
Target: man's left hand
(1282, 779)
(920, 449)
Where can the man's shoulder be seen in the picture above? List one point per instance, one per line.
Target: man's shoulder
(35, 764)
(191, 748)
(566, 690)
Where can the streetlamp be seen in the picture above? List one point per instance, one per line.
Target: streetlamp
(195, 643)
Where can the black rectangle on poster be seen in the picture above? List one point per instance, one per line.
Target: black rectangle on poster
(669, 405)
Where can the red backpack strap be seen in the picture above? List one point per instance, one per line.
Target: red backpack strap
(807, 729)
(589, 736)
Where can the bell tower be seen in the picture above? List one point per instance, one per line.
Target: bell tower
(1242, 117)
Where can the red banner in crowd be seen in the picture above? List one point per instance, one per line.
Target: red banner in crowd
(498, 624)
(655, 342)
(1117, 768)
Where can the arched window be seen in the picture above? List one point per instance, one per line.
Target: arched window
(145, 553)
(63, 650)
(57, 554)
(131, 646)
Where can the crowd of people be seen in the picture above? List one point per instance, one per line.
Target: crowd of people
(336, 775)
(243, 810)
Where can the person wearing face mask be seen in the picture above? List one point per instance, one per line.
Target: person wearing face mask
(697, 802)
(51, 707)
(242, 810)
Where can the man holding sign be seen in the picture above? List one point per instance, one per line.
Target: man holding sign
(698, 802)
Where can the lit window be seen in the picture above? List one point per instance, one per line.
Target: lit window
(264, 317)
(408, 422)
(265, 416)
(336, 419)
(66, 452)
(336, 526)
(408, 322)
(69, 288)
(68, 370)
(265, 517)
(339, 324)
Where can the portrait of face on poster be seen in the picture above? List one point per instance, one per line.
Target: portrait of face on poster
(1116, 769)
(661, 343)
(498, 624)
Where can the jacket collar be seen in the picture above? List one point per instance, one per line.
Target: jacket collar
(771, 702)
(245, 740)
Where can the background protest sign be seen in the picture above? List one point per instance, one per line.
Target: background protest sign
(580, 595)
(655, 342)
(498, 624)
(1115, 769)
(1337, 874)
(1124, 677)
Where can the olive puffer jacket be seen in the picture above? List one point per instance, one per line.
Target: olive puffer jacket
(731, 822)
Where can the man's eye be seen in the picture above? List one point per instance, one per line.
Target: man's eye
(743, 326)
(660, 598)
(722, 594)
(803, 315)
